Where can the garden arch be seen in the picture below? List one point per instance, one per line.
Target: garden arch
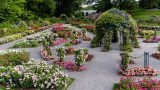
(113, 26)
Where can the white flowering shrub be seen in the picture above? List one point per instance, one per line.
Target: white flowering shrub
(61, 53)
(79, 57)
(34, 74)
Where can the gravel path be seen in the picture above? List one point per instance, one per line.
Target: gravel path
(101, 73)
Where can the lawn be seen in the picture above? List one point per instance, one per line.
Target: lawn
(150, 17)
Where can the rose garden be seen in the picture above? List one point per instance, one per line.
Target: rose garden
(77, 54)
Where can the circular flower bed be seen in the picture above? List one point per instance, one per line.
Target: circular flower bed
(156, 55)
(71, 66)
(139, 71)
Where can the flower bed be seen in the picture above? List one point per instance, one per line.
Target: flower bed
(33, 41)
(58, 27)
(69, 51)
(127, 83)
(38, 29)
(88, 57)
(71, 66)
(45, 55)
(152, 40)
(88, 27)
(26, 44)
(139, 71)
(156, 55)
(59, 41)
(75, 42)
(21, 35)
(10, 38)
(34, 74)
(86, 38)
(13, 57)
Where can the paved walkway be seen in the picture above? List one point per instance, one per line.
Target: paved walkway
(102, 71)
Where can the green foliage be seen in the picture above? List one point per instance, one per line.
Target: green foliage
(63, 17)
(104, 5)
(79, 57)
(148, 17)
(107, 40)
(149, 4)
(67, 7)
(26, 44)
(125, 44)
(124, 61)
(46, 46)
(41, 7)
(94, 42)
(147, 34)
(60, 53)
(11, 10)
(7, 28)
(68, 44)
(13, 58)
(159, 47)
(125, 4)
(114, 19)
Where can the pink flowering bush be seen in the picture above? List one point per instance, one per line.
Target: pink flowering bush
(71, 66)
(139, 71)
(59, 41)
(58, 27)
(128, 83)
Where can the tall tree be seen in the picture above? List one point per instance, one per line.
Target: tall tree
(67, 7)
(41, 7)
(148, 4)
(104, 5)
(11, 10)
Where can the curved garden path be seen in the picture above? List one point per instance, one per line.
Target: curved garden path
(101, 73)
